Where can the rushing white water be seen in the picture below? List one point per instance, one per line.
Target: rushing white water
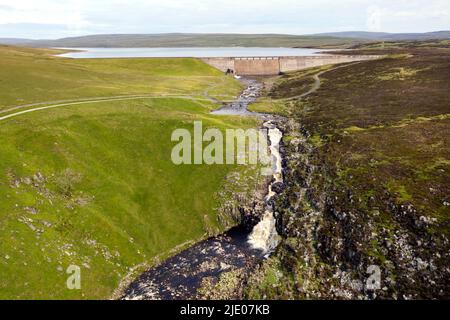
(275, 137)
(264, 235)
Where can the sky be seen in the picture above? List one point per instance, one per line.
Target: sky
(50, 19)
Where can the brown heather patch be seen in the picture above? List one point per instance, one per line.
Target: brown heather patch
(371, 184)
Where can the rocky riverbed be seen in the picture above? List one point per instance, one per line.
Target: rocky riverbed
(240, 249)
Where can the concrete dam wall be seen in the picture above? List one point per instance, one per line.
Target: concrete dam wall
(261, 66)
(256, 66)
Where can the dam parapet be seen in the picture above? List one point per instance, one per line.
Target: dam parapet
(262, 66)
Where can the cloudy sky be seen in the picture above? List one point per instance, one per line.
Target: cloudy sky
(62, 18)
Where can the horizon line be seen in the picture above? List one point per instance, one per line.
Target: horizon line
(329, 33)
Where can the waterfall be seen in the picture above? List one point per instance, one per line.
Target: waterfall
(264, 235)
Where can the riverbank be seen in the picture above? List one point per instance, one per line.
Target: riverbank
(186, 274)
(365, 209)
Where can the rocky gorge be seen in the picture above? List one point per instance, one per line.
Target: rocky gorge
(327, 235)
(195, 272)
(361, 209)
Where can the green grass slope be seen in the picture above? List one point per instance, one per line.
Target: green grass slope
(93, 185)
(34, 75)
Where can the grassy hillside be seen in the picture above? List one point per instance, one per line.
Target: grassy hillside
(381, 36)
(93, 185)
(369, 172)
(32, 76)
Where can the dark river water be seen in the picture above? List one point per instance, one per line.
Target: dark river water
(179, 277)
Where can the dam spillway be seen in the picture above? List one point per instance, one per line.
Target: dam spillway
(263, 66)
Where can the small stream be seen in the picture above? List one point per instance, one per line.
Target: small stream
(180, 276)
(248, 96)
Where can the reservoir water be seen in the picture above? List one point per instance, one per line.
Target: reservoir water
(85, 53)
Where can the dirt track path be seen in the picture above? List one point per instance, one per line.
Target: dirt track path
(317, 82)
(63, 103)
(98, 100)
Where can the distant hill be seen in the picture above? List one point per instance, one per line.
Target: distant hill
(437, 35)
(13, 41)
(190, 40)
(332, 40)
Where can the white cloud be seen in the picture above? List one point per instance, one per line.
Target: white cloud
(374, 18)
(43, 12)
(77, 17)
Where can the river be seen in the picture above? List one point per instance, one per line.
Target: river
(180, 276)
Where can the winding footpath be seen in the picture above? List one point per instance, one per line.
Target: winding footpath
(233, 108)
(98, 100)
(317, 82)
